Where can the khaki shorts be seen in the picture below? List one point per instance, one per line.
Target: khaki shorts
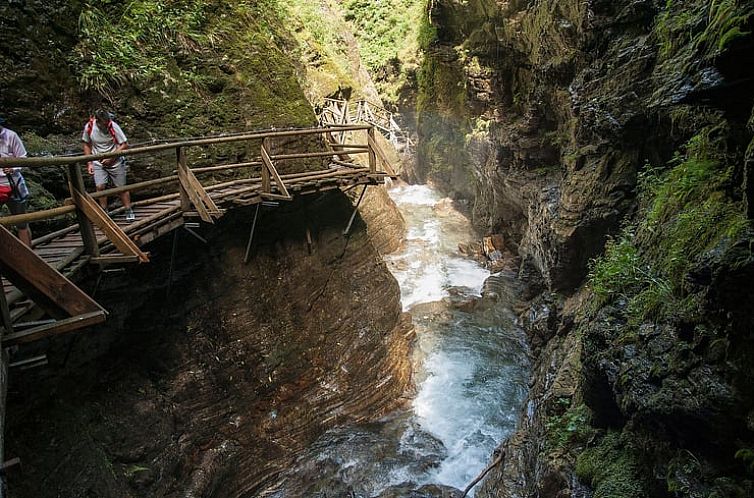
(115, 174)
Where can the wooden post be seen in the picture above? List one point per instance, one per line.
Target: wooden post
(76, 186)
(182, 166)
(372, 153)
(266, 185)
(7, 329)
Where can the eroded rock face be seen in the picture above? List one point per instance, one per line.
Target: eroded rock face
(213, 391)
(556, 106)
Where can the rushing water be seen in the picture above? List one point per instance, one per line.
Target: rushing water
(470, 369)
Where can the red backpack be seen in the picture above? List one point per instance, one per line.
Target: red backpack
(90, 128)
(7, 191)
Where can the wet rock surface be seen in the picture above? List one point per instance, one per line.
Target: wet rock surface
(213, 391)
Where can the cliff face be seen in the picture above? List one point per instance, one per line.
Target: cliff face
(212, 391)
(566, 123)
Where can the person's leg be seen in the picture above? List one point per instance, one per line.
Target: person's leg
(24, 232)
(125, 198)
(102, 200)
(119, 180)
(100, 181)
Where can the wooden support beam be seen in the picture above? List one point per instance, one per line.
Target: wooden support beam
(180, 154)
(39, 281)
(96, 214)
(273, 172)
(375, 147)
(76, 187)
(193, 193)
(55, 328)
(114, 259)
(372, 155)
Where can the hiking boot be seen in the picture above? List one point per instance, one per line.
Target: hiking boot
(130, 216)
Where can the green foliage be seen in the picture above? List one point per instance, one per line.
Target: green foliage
(140, 45)
(686, 211)
(569, 429)
(388, 33)
(708, 27)
(727, 19)
(612, 468)
(385, 29)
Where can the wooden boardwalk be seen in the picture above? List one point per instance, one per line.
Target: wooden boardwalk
(113, 240)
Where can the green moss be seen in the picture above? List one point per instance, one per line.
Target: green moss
(685, 27)
(612, 468)
(686, 212)
(569, 429)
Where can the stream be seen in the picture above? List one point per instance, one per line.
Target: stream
(470, 369)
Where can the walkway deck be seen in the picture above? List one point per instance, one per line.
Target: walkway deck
(68, 252)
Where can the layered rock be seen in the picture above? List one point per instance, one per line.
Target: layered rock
(560, 121)
(213, 391)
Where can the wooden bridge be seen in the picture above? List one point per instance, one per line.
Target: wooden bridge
(40, 298)
(343, 113)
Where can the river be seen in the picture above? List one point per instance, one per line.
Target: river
(470, 369)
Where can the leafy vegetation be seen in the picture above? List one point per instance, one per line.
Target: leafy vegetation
(686, 211)
(708, 27)
(388, 33)
(570, 429)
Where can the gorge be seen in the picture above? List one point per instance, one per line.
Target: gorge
(603, 351)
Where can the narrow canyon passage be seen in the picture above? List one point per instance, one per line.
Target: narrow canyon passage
(470, 367)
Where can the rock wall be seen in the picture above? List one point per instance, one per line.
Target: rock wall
(213, 391)
(566, 124)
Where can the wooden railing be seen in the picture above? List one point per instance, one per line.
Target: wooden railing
(194, 198)
(344, 112)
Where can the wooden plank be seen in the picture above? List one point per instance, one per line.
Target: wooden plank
(208, 202)
(381, 154)
(113, 232)
(76, 187)
(372, 155)
(39, 281)
(114, 259)
(194, 198)
(58, 327)
(268, 163)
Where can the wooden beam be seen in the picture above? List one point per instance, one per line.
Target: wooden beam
(39, 281)
(372, 154)
(273, 172)
(55, 328)
(114, 259)
(76, 187)
(180, 154)
(35, 162)
(374, 146)
(99, 217)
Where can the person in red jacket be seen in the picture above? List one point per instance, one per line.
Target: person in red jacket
(13, 190)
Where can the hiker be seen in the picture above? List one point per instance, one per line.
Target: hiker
(102, 135)
(13, 190)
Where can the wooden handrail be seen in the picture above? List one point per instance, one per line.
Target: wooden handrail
(33, 162)
(265, 160)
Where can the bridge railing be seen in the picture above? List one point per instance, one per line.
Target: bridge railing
(344, 112)
(194, 197)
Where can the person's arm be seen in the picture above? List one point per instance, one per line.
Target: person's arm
(88, 152)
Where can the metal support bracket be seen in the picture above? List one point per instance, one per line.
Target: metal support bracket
(355, 210)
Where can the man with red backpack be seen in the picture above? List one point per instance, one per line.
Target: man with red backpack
(13, 191)
(102, 135)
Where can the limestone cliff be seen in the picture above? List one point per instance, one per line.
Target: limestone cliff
(566, 123)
